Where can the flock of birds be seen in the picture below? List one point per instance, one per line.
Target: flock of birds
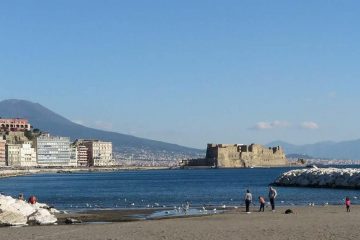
(185, 208)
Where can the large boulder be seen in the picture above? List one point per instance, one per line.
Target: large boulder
(14, 212)
(8, 218)
(42, 217)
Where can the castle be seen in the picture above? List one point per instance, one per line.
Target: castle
(239, 155)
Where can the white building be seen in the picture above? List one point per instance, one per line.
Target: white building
(99, 153)
(53, 151)
(20, 155)
(13, 154)
(2, 152)
(73, 156)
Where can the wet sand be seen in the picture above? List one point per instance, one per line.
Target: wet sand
(328, 222)
(123, 215)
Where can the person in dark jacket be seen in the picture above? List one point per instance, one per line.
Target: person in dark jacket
(272, 196)
(248, 199)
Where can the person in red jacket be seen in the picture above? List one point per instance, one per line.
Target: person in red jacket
(32, 199)
(347, 204)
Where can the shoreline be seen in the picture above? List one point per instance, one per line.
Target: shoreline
(110, 215)
(5, 173)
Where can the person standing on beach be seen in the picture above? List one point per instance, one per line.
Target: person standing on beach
(347, 204)
(262, 203)
(272, 196)
(248, 199)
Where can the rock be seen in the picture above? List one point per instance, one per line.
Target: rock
(8, 218)
(72, 221)
(6, 200)
(42, 217)
(288, 211)
(15, 212)
(53, 210)
(321, 177)
(20, 206)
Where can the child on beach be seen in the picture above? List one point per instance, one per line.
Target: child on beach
(347, 204)
(262, 203)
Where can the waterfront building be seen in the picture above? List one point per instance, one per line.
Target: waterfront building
(14, 137)
(27, 155)
(53, 150)
(73, 156)
(99, 153)
(14, 124)
(20, 155)
(13, 154)
(82, 153)
(2, 152)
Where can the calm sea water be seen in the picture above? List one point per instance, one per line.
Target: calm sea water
(153, 188)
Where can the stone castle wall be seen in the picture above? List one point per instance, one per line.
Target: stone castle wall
(235, 155)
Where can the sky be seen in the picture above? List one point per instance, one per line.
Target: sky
(189, 72)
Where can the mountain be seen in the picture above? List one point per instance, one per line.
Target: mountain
(46, 120)
(328, 149)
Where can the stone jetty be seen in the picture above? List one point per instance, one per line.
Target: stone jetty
(321, 177)
(15, 212)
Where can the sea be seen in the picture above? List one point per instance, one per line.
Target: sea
(165, 188)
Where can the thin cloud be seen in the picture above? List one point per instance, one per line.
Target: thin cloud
(309, 125)
(103, 125)
(99, 124)
(271, 125)
(332, 94)
(80, 122)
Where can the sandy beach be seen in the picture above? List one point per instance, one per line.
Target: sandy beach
(328, 222)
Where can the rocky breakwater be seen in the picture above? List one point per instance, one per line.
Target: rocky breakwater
(15, 212)
(321, 177)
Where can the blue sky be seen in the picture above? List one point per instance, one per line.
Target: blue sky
(189, 72)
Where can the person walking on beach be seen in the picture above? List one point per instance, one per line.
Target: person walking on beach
(272, 196)
(262, 203)
(248, 199)
(347, 204)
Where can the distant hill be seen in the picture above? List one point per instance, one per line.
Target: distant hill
(327, 150)
(49, 121)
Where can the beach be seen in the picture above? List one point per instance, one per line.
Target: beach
(319, 222)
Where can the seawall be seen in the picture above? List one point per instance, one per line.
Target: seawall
(20, 172)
